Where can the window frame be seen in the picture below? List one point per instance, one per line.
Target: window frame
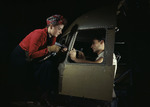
(72, 43)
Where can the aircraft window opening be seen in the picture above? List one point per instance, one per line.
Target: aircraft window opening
(84, 41)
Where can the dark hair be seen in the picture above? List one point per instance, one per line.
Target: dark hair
(99, 35)
(99, 38)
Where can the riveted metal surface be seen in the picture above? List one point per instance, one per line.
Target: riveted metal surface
(93, 81)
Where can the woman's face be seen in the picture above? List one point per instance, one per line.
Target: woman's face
(55, 30)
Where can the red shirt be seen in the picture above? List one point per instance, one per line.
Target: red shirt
(35, 43)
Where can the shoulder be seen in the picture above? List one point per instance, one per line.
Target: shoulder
(39, 33)
(101, 54)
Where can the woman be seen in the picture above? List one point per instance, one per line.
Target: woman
(34, 47)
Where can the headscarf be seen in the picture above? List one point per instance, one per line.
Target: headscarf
(55, 20)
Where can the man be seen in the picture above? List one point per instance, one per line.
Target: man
(98, 45)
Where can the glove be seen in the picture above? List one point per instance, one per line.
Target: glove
(53, 48)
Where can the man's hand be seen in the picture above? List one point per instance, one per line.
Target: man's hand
(73, 54)
(81, 55)
(53, 48)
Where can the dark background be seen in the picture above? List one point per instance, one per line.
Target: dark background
(18, 18)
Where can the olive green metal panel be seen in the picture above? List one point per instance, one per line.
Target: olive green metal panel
(103, 17)
(109, 46)
(87, 80)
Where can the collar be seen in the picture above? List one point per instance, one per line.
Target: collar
(46, 30)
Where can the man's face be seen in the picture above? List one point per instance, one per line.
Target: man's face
(96, 45)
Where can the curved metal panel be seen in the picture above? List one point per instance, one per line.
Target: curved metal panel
(103, 17)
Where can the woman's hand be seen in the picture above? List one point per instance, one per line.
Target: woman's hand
(53, 48)
(64, 49)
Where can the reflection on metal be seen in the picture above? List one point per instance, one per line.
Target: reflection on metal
(120, 43)
(122, 76)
